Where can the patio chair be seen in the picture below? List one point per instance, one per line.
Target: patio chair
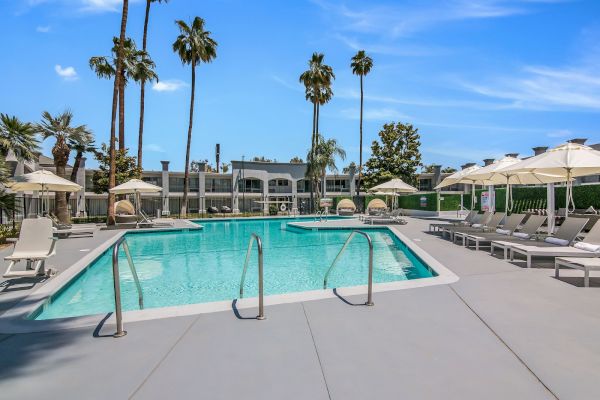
(512, 223)
(526, 232)
(465, 222)
(585, 264)
(558, 245)
(392, 218)
(493, 224)
(147, 221)
(35, 245)
(478, 220)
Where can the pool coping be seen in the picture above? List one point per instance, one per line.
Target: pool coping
(15, 319)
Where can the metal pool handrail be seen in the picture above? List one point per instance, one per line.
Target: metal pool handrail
(117, 285)
(370, 285)
(261, 308)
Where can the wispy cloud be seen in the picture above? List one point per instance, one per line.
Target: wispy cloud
(375, 114)
(464, 153)
(43, 28)
(155, 148)
(101, 5)
(296, 87)
(67, 73)
(544, 88)
(168, 85)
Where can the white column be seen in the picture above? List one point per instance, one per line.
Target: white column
(165, 186)
(492, 198)
(80, 179)
(265, 195)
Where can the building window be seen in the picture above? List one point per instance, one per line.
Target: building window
(218, 185)
(250, 185)
(280, 186)
(424, 184)
(338, 185)
(153, 180)
(176, 184)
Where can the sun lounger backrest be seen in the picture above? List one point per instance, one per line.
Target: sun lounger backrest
(484, 218)
(495, 220)
(35, 236)
(533, 224)
(593, 236)
(470, 216)
(513, 221)
(570, 229)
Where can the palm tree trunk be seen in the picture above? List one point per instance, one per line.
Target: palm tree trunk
(112, 155)
(122, 111)
(186, 178)
(312, 154)
(60, 152)
(74, 171)
(142, 89)
(360, 156)
(141, 132)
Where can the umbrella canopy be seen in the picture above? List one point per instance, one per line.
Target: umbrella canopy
(395, 185)
(44, 181)
(135, 186)
(461, 176)
(564, 162)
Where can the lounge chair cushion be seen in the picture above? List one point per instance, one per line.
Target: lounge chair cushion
(556, 241)
(521, 235)
(587, 247)
(477, 225)
(503, 231)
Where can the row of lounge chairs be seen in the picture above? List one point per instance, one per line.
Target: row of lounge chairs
(385, 217)
(514, 237)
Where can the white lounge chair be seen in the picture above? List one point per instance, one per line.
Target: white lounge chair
(511, 224)
(526, 233)
(35, 245)
(559, 244)
(438, 226)
(585, 264)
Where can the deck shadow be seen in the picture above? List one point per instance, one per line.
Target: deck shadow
(236, 312)
(339, 296)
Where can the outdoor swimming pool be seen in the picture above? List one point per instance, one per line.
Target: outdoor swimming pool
(200, 266)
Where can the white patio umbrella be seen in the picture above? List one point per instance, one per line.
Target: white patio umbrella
(564, 162)
(463, 176)
(44, 181)
(500, 173)
(135, 186)
(395, 185)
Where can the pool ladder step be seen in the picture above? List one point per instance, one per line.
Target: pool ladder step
(344, 247)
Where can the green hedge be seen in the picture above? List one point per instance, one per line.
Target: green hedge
(413, 201)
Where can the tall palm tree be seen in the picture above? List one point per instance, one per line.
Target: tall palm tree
(17, 137)
(112, 155)
(361, 65)
(60, 128)
(143, 71)
(137, 65)
(193, 45)
(317, 82)
(143, 79)
(81, 144)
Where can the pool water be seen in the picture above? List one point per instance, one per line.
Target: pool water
(199, 266)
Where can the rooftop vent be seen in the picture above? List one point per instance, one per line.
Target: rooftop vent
(539, 150)
(488, 161)
(467, 165)
(578, 140)
(513, 155)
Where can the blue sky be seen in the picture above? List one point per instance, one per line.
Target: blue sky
(479, 78)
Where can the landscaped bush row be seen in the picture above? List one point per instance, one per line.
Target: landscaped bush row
(413, 202)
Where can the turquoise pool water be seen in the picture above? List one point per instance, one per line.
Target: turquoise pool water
(198, 266)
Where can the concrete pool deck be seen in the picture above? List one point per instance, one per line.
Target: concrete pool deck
(500, 332)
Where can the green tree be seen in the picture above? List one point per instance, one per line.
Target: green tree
(225, 167)
(126, 168)
(324, 158)
(349, 168)
(147, 75)
(193, 45)
(17, 137)
(296, 160)
(61, 129)
(427, 169)
(448, 170)
(397, 156)
(361, 65)
(137, 66)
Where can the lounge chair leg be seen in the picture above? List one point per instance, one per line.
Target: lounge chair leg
(586, 277)
(556, 273)
(477, 245)
(512, 255)
(528, 261)
(10, 266)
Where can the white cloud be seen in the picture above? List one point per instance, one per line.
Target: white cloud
(169, 85)
(101, 5)
(286, 84)
(375, 114)
(545, 88)
(43, 29)
(67, 73)
(155, 148)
